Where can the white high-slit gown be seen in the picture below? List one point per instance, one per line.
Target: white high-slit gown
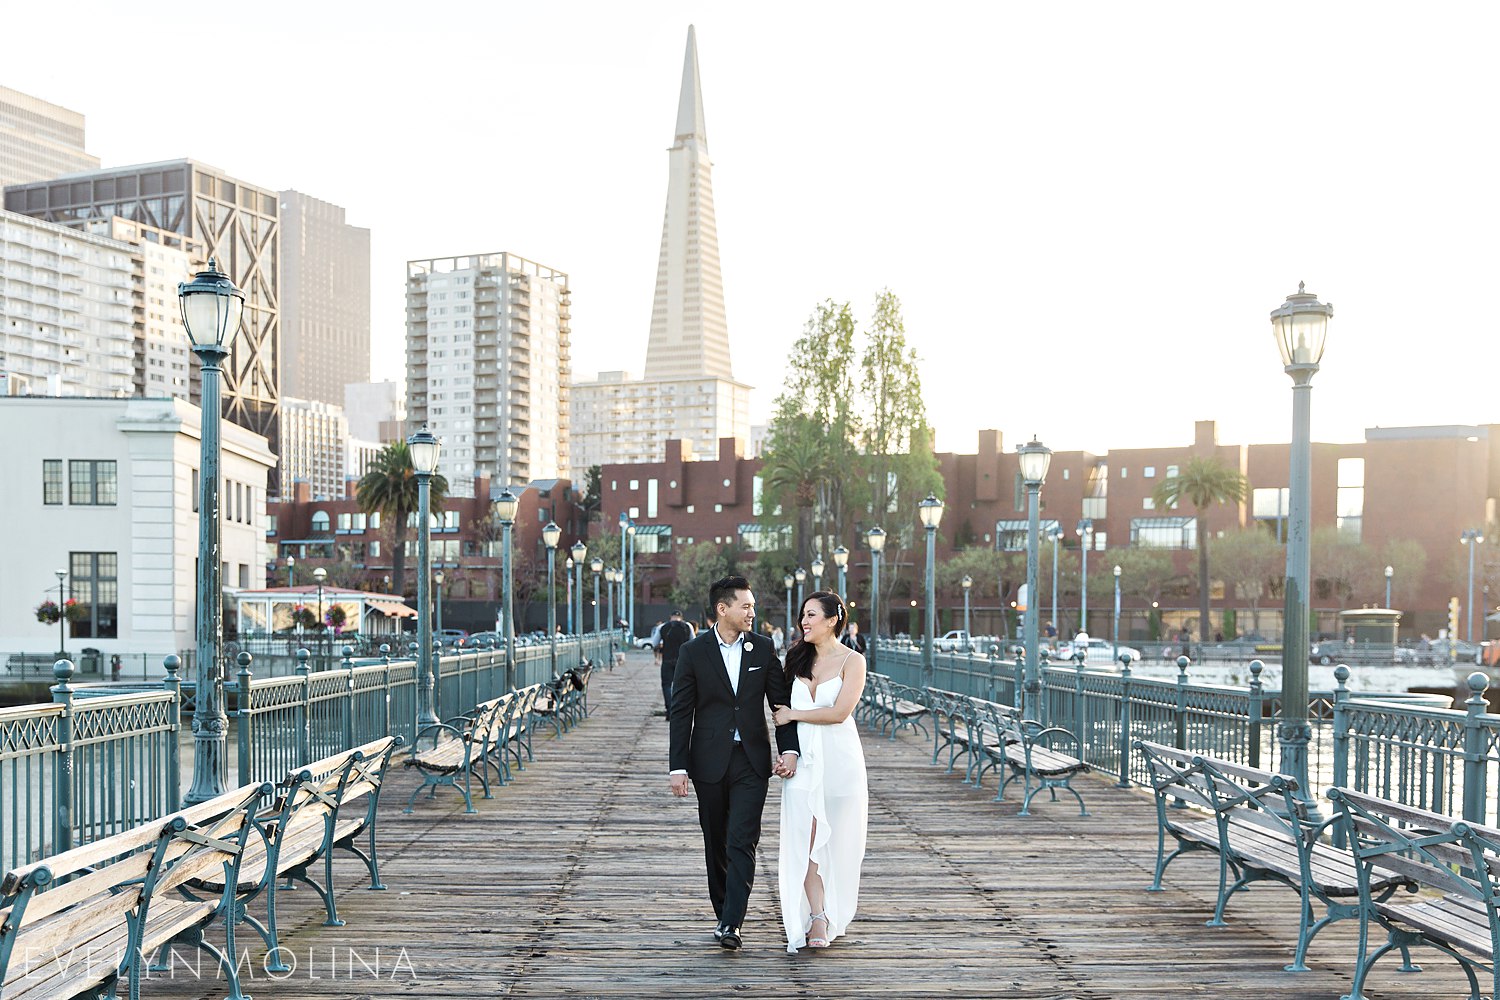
(830, 786)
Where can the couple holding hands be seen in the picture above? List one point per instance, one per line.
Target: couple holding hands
(721, 750)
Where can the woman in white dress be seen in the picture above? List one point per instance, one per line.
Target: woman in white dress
(825, 805)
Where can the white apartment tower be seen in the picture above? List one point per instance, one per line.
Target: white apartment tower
(314, 443)
(689, 391)
(66, 323)
(487, 365)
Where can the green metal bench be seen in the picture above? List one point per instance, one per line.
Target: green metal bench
(952, 725)
(1260, 831)
(329, 805)
(894, 706)
(1033, 753)
(1456, 860)
(84, 921)
(458, 749)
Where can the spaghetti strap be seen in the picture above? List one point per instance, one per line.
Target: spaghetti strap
(844, 661)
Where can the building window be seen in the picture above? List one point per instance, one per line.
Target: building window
(1149, 472)
(1095, 508)
(651, 497)
(1351, 498)
(92, 483)
(93, 582)
(196, 491)
(320, 522)
(1270, 505)
(1010, 535)
(635, 484)
(1164, 532)
(1148, 503)
(52, 481)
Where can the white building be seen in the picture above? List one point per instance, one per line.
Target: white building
(314, 443)
(622, 420)
(689, 391)
(107, 491)
(66, 327)
(487, 365)
(164, 363)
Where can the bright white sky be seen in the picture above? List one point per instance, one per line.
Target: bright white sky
(1088, 209)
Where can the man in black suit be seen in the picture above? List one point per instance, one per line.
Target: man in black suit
(725, 679)
(674, 635)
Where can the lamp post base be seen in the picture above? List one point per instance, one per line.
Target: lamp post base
(208, 759)
(1294, 739)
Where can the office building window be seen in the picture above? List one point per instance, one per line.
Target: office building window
(93, 581)
(1010, 535)
(1164, 532)
(1351, 498)
(92, 483)
(52, 481)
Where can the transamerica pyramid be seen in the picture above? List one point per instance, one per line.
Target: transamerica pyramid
(689, 334)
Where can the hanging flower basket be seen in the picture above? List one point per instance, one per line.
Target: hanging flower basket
(48, 613)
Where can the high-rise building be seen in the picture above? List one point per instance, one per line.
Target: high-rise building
(487, 365)
(66, 323)
(689, 391)
(314, 440)
(237, 223)
(39, 140)
(325, 300)
(163, 358)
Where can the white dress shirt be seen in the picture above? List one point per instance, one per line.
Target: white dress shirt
(733, 653)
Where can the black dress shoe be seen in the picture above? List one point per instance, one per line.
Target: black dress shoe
(718, 932)
(730, 939)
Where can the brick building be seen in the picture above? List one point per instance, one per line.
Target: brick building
(1420, 484)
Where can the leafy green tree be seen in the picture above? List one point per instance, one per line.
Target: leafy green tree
(593, 491)
(698, 566)
(897, 441)
(1251, 563)
(1202, 483)
(1342, 568)
(389, 488)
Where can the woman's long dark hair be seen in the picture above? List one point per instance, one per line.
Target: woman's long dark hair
(801, 654)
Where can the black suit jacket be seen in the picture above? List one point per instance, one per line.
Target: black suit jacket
(706, 710)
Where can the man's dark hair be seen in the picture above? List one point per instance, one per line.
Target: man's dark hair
(722, 592)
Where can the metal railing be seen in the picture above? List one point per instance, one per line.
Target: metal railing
(92, 763)
(1397, 746)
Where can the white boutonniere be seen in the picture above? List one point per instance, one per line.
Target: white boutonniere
(749, 645)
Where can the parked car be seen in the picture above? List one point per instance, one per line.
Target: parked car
(479, 639)
(643, 642)
(1096, 652)
(451, 637)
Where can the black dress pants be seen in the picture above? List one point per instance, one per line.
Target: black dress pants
(729, 812)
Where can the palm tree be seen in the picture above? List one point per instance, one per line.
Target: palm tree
(389, 488)
(1203, 482)
(795, 465)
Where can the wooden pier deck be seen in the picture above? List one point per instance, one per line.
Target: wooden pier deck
(584, 878)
